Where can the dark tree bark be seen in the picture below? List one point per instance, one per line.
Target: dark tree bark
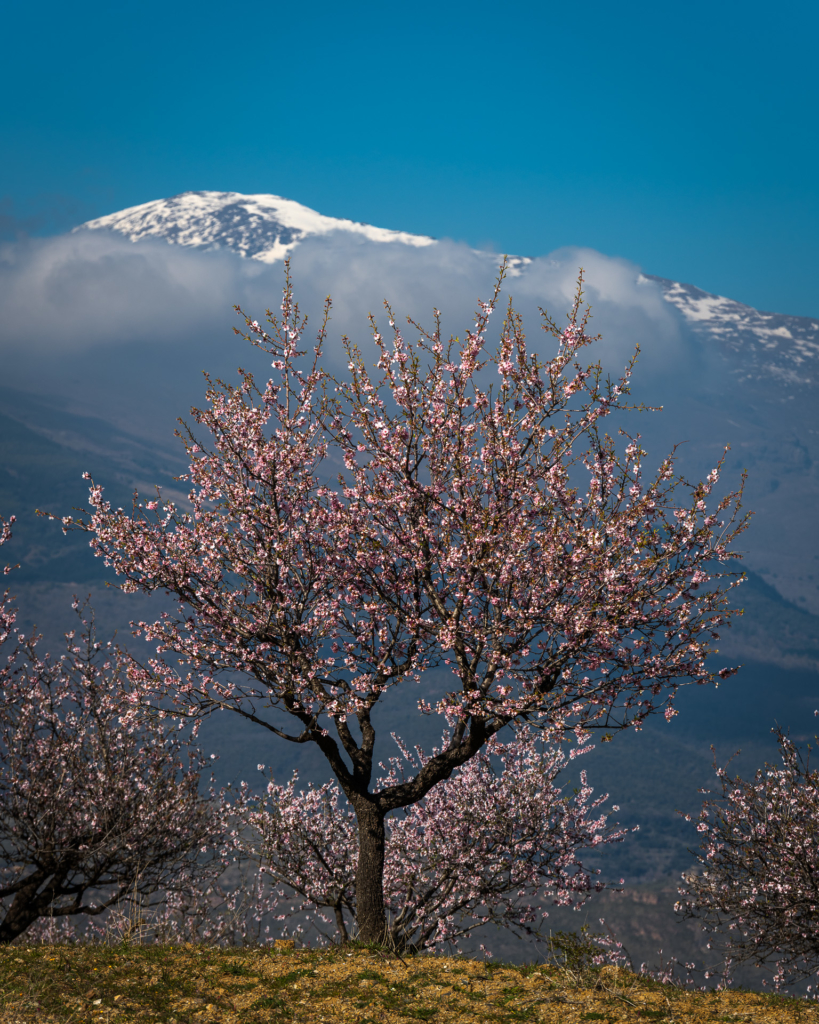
(23, 911)
(369, 879)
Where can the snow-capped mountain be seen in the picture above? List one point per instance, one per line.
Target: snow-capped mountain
(761, 346)
(262, 227)
(768, 345)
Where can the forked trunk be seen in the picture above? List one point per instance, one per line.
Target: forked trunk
(371, 916)
(21, 914)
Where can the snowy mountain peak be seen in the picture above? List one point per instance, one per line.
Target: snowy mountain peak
(771, 345)
(261, 227)
(762, 346)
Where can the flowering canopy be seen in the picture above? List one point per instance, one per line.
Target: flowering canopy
(758, 892)
(92, 812)
(518, 839)
(490, 530)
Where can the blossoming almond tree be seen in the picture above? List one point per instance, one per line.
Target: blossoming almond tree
(758, 892)
(493, 532)
(477, 849)
(93, 813)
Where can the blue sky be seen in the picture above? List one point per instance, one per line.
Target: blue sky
(682, 137)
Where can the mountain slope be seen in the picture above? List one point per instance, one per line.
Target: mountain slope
(765, 346)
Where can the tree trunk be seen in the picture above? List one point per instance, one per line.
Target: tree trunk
(370, 915)
(21, 914)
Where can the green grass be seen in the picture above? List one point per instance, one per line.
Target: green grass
(109, 984)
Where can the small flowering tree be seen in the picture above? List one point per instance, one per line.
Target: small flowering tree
(493, 532)
(93, 813)
(477, 849)
(758, 891)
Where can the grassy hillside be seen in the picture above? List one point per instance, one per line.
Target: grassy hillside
(182, 985)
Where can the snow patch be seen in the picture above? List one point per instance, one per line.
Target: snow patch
(770, 345)
(260, 227)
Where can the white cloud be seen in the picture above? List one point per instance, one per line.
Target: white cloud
(74, 292)
(124, 329)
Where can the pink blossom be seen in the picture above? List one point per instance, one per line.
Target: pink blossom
(757, 888)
